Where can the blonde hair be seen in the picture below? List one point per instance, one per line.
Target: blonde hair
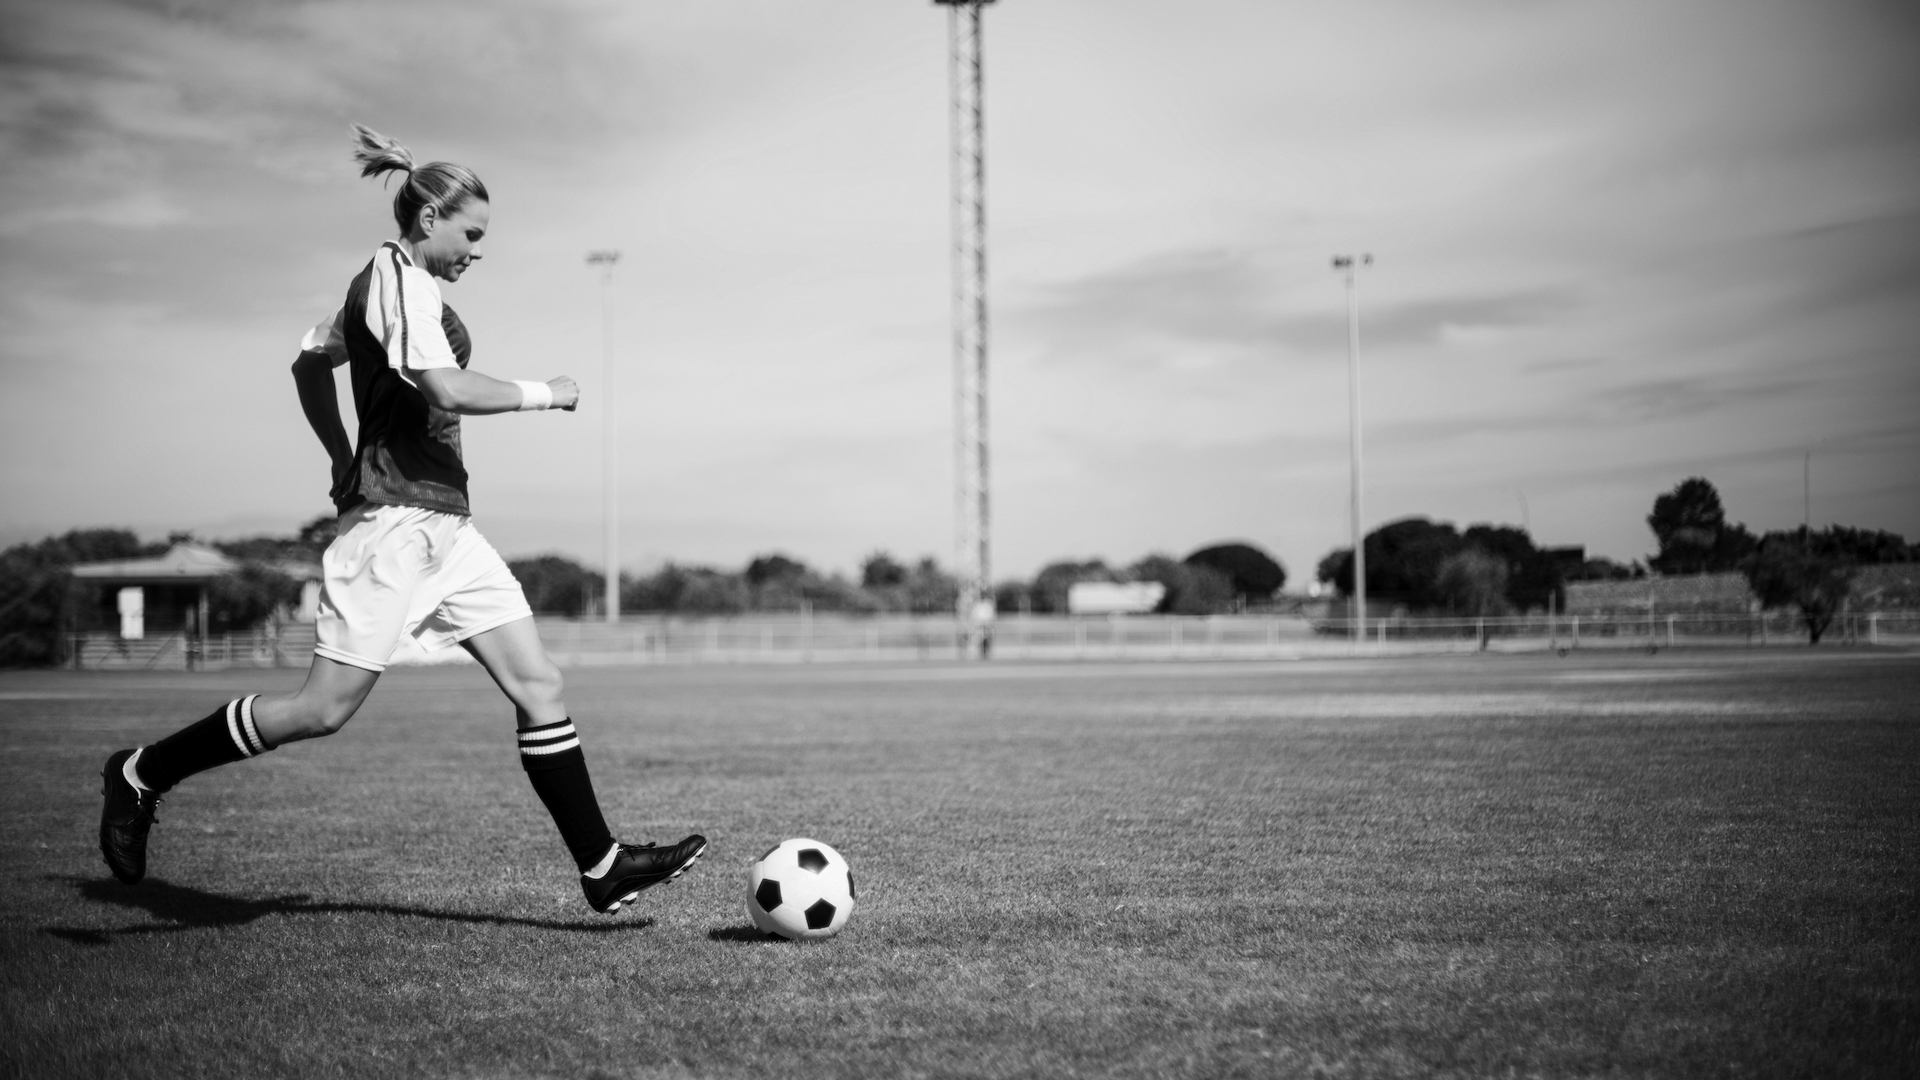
(440, 184)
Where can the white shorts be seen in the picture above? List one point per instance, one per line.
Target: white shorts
(399, 570)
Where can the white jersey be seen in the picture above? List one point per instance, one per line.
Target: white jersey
(411, 332)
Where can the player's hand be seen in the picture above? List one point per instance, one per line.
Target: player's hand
(566, 393)
(340, 468)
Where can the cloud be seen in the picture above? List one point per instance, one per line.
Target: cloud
(1237, 301)
(1611, 236)
(101, 99)
(1688, 396)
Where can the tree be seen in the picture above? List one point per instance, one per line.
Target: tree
(1691, 528)
(1784, 572)
(248, 597)
(1861, 547)
(778, 583)
(1192, 588)
(1403, 560)
(1050, 585)
(1534, 578)
(1404, 557)
(34, 582)
(1472, 582)
(1601, 568)
(1336, 569)
(1011, 597)
(881, 571)
(889, 585)
(1252, 573)
(931, 590)
(835, 593)
(774, 567)
(713, 592)
(306, 545)
(557, 585)
(317, 534)
(658, 591)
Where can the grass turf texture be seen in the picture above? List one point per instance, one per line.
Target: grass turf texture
(1683, 865)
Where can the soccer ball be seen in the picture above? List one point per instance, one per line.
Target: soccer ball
(800, 890)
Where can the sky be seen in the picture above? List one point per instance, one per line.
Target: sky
(1617, 243)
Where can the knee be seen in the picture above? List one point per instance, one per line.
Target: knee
(332, 719)
(322, 718)
(543, 684)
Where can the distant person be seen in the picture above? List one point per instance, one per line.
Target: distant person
(408, 561)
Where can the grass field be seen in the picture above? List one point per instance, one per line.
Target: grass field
(1681, 865)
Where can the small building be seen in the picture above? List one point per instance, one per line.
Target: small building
(1114, 597)
(163, 597)
(1567, 559)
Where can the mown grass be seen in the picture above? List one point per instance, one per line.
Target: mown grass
(1687, 865)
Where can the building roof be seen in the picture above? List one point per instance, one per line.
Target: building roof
(181, 563)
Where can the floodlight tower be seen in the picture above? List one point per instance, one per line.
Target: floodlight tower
(1349, 265)
(609, 433)
(972, 551)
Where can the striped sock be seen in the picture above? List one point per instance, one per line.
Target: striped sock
(558, 771)
(226, 735)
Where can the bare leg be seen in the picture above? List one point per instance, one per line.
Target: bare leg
(243, 728)
(332, 694)
(550, 748)
(519, 664)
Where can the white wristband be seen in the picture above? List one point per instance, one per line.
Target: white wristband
(534, 396)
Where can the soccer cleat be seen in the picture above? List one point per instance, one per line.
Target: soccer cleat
(638, 867)
(124, 821)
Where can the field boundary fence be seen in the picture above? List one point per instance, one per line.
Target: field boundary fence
(838, 638)
(1652, 629)
(288, 645)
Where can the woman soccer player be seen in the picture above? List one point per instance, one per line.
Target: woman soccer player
(408, 560)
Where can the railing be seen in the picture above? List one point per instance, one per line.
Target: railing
(835, 638)
(904, 638)
(287, 646)
(1653, 629)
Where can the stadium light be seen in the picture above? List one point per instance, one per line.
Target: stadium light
(1348, 265)
(609, 431)
(972, 546)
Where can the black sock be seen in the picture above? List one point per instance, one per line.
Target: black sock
(226, 735)
(558, 770)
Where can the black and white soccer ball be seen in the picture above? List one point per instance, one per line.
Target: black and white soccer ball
(800, 890)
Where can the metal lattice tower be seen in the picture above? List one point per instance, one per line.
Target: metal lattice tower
(972, 547)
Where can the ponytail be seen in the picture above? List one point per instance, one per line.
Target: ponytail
(440, 184)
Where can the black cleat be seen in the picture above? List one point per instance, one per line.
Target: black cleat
(124, 821)
(638, 867)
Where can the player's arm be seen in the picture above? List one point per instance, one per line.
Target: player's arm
(418, 348)
(313, 377)
(458, 390)
(322, 349)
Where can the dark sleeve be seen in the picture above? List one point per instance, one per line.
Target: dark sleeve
(456, 334)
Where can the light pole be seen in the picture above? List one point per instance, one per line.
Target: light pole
(972, 548)
(1349, 265)
(609, 433)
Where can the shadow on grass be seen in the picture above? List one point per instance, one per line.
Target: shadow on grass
(747, 933)
(182, 908)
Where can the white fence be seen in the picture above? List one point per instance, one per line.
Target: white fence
(791, 638)
(287, 646)
(1650, 630)
(770, 638)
